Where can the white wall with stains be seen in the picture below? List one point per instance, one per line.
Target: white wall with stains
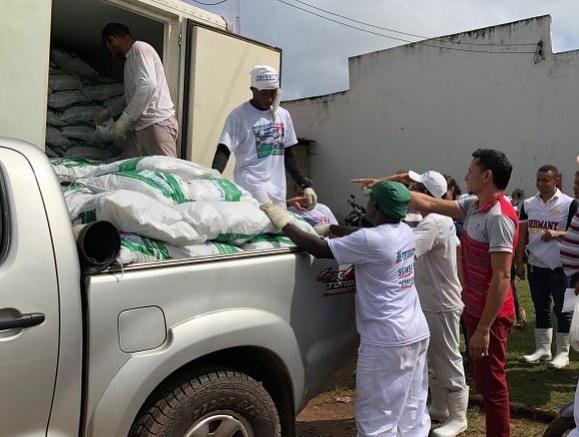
(429, 105)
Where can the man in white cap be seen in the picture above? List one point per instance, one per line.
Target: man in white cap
(438, 286)
(260, 134)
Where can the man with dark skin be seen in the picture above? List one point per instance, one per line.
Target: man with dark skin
(488, 241)
(261, 135)
(544, 220)
(391, 373)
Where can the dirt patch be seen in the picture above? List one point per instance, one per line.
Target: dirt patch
(331, 414)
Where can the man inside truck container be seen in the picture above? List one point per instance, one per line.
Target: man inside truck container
(391, 373)
(261, 135)
(148, 121)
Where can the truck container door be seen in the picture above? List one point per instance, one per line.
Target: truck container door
(216, 81)
(25, 30)
(29, 311)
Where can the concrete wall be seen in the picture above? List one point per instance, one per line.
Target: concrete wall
(430, 105)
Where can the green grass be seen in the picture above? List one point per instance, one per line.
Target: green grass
(536, 385)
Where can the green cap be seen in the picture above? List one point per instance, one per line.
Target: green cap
(391, 197)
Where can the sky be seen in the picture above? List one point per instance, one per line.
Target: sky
(315, 50)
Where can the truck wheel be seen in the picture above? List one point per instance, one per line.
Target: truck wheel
(223, 402)
(559, 427)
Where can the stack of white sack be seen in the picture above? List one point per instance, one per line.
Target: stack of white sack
(76, 93)
(175, 202)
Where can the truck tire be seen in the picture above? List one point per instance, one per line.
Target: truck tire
(559, 427)
(220, 402)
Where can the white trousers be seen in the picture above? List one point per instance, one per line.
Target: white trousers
(444, 358)
(391, 391)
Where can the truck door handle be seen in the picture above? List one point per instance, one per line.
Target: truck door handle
(24, 321)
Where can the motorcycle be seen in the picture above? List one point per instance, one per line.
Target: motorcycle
(357, 216)
(563, 423)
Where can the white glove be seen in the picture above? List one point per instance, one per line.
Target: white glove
(120, 129)
(311, 197)
(101, 117)
(278, 215)
(323, 230)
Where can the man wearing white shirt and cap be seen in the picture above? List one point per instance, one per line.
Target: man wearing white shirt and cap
(261, 135)
(439, 289)
(148, 121)
(544, 220)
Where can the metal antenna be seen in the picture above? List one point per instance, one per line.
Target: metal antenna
(238, 18)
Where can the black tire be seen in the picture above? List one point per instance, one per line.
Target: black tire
(202, 402)
(559, 427)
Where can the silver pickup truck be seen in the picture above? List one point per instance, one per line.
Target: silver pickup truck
(223, 345)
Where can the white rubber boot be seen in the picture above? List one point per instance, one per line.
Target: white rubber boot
(456, 423)
(438, 409)
(543, 339)
(562, 358)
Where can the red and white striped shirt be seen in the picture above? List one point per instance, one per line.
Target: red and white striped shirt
(493, 227)
(570, 248)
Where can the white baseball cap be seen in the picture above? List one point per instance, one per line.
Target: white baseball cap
(264, 77)
(433, 181)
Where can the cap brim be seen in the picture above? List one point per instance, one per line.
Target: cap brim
(414, 176)
(367, 192)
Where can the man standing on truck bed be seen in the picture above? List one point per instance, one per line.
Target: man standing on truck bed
(261, 135)
(148, 120)
(391, 374)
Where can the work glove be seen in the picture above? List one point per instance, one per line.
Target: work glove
(278, 215)
(120, 129)
(101, 116)
(311, 197)
(323, 230)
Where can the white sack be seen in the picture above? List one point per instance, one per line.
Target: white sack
(131, 212)
(138, 249)
(71, 63)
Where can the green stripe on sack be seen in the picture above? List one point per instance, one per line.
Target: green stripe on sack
(162, 182)
(129, 164)
(86, 217)
(226, 248)
(231, 237)
(282, 239)
(230, 190)
(154, 248)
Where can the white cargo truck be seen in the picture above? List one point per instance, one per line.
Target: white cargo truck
(219, 345)
(207, 66)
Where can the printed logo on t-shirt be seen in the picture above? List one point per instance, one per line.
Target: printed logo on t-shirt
(536, 226)
(406, 276)
(405, 273)
(402, 255)
(268, 139)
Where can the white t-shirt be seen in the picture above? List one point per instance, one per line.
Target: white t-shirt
(388, 311)
(259, 143)
(146, 90)
(539, 217)
(318, 215)
(436, 272)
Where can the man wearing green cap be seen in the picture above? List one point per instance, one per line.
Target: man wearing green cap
(488, 240)
(391, 374)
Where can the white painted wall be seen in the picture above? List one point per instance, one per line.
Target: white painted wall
(421, 107)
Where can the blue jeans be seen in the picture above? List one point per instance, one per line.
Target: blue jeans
(546, 284)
